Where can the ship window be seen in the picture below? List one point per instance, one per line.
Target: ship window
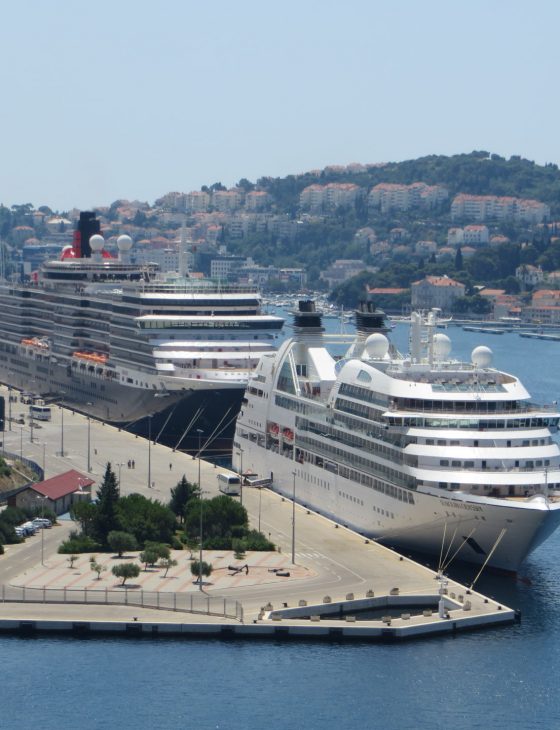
(444, 462)
(364, 377)
(285, 379)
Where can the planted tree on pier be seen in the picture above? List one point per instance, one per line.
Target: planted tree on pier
(126, 571)
(181, 495)
(106, 519)
(198, 568)
(120, 541)
(148, 520)
(167, 563)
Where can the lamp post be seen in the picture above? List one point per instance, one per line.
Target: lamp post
(44, 451)
(119, 465)
(199, 432)
(89, 444)
(294, 519)
(149, 451)
(9, 407)
(260, 490)
(21, 443)
(31, 423)
(241, 477)
(42, 530)
(61, 430)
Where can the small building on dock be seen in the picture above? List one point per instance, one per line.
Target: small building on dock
(57, 493)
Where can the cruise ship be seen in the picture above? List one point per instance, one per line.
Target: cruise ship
(168, 357)
(420, 451)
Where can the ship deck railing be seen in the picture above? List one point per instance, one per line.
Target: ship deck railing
(454, 409)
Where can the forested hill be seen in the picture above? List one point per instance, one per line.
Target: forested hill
(479, 173)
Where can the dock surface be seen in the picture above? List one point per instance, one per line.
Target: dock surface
(336, 571)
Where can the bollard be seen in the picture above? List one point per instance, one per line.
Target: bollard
(349, 596)
(370, 594)
(327, 599)
(302, 602)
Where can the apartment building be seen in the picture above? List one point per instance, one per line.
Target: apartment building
(392, 196)
(487, 207)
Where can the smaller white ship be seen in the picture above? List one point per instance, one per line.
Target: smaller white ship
(421, 451)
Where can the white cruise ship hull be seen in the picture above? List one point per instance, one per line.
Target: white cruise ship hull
(468, 530)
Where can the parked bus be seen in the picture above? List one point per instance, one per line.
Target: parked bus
(229, 484)
(40, 412)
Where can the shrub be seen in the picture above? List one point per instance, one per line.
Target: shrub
(79, 544)
(13, 516)
(176, 543)
(255, 540)
(238, 546)
(121, 541)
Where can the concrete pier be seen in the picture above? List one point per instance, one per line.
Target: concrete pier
(336, 574)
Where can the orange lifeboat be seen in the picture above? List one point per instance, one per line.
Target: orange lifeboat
(274, 429)
(91, 357)
(288, 435)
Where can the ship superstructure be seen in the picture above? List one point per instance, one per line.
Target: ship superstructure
(419, 451)
(123, 343)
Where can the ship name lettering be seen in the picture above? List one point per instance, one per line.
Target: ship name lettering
(461, 505)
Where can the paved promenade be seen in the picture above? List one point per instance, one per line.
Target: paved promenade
(330, 561)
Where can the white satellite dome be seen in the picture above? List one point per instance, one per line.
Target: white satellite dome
(482, 356)
(96, 242)
(442, 346)
(124, 243)
(376, 346)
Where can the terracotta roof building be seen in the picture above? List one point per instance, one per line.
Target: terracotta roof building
(436, 292)
(57, 493)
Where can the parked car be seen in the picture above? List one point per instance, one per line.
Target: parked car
(29, 528)
(20, 532)
(41, 522)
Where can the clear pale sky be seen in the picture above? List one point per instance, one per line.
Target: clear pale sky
(132, 99)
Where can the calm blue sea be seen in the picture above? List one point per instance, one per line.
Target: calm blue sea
(506, 678)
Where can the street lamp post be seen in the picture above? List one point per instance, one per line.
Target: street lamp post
(260, 490)
(199, 432)
(42, 530)
(241, 477)
(294, 519)
(31, 424)
(44, 451)
(21, 443)
(119, 465)
(9, 408)
(89, 444)
(149, 452)
(61, 430)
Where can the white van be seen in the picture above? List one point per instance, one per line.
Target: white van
(229, 484)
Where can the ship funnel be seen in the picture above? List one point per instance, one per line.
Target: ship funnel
(307, 320)
(88, 226)
(369, 320)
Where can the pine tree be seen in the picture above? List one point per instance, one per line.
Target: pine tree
(181, 494)
(107, 498)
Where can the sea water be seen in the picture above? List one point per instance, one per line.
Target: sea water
(497, 678)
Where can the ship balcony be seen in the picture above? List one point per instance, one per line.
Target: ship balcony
(471, 408)
(490, 469)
